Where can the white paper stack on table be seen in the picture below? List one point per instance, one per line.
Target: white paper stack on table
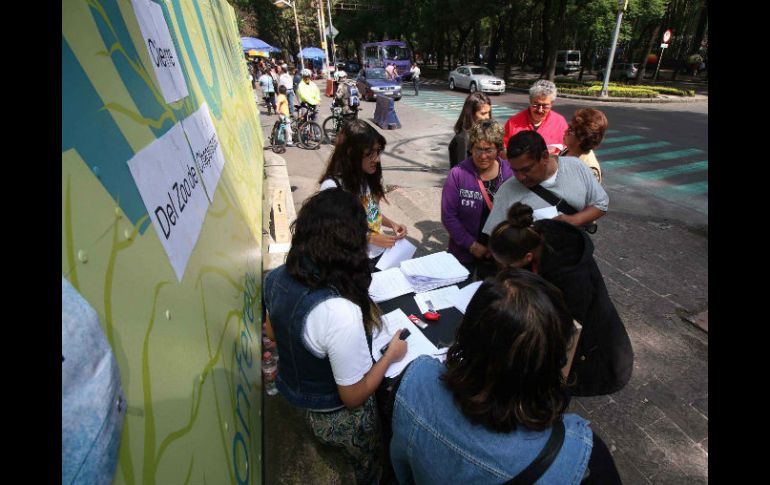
(417, 275)
(433, 271)
(417, 343)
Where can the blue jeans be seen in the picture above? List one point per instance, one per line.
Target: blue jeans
(416, 84)
(290, 99)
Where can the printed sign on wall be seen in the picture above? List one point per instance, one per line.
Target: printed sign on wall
(205, 146)
(157, 39)
(171, 189)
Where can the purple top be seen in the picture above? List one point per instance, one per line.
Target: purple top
(462, 205)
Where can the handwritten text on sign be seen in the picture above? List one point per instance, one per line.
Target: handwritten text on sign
(161, 48)
(204, 142)
(172, 192)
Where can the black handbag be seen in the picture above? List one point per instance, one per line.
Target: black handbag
(561, 205)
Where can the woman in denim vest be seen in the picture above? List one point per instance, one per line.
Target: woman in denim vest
(320, 315)
(488, 412)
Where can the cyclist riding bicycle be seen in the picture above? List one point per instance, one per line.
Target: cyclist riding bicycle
(308, 92)
(346, 95)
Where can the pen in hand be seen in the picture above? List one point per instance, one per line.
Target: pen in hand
(404, 334)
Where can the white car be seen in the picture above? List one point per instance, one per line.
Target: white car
(476, 78)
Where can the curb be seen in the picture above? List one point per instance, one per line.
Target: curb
(698, 98)
(276, 176)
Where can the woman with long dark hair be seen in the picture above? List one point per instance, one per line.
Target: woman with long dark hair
(497, 407)
(319, 313)
(477, 107)
(563, 254)
(355, 167)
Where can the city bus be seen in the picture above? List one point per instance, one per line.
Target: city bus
(380, 54)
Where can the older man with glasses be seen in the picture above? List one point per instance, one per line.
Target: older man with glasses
(468, 195)
(540, 117)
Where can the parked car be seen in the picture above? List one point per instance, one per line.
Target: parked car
(476, 78)
(373, 81)
(620, 71)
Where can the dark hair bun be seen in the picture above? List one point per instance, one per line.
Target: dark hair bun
(520, 215)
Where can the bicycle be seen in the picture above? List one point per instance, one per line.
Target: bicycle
(333, 124)
(308, 131)
(278, 136)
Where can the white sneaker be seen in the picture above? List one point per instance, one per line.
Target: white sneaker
(290, 144)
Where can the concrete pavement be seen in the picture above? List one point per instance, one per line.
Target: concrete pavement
(656, 270)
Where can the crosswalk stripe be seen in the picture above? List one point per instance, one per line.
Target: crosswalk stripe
(631, 148)
(620, 139)
(675, 170)
(695, 188)
(655, 157)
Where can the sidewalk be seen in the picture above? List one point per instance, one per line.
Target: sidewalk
(656, 428)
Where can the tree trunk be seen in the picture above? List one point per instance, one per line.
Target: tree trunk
(556, 26)
(545, 28)
(509, 51)
(646, 53)
(700, 31)
(499, 36)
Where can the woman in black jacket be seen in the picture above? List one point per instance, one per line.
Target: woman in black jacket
(563, 255)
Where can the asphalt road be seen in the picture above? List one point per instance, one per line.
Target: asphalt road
(652, 248)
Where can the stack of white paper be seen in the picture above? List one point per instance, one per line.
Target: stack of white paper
(433, 271)
(439, 298)
(388, 284)
(417, 343)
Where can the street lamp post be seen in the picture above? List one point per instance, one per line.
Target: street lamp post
(621, 7)
(288, 3)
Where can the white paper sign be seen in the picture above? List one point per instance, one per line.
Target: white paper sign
(417, 343)
(161, 48)
(172, 192)
(204, 142)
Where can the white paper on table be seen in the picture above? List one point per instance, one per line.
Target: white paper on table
(440, 265)
(442, 354)
(388, 284)
(417, 343)
(163, 55)
(464, 296)
(200, 131)
(440, 298)
(545, 213)
(393, 256)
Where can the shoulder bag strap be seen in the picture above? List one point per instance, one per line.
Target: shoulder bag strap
(553, 199)
(547, 455)
(484, 193)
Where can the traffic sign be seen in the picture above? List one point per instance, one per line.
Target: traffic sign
(666, 36)
(664, 46)
(331, 31)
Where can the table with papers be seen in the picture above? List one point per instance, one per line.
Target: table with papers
(438, 277)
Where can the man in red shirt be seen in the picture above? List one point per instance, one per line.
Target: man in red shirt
(539, 117)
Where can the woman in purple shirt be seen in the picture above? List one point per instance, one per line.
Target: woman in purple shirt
(468, 194)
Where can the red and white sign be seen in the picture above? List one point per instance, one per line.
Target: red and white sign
(666, 36)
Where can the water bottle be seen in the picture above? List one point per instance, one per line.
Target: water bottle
(269, 371)
(269, 345)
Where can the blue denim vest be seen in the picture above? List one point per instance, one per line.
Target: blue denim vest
(304, 380)
(434, 443)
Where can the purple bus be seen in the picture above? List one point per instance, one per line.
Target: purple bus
(380, 54)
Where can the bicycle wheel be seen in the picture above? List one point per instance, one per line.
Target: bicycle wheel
(310, 134)
(278, 138)
(331, 127)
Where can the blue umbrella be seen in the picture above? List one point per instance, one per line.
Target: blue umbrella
(257, 44)
(312, 53)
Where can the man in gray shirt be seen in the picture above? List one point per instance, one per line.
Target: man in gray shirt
(567, 177)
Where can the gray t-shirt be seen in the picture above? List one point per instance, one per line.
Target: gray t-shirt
(574, 183)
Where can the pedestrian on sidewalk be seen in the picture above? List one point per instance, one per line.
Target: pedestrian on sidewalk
(267, 85)
(284, 79)
(320, 315)
(284, 114)
(563, 254)
(355, 167)
(477, 107)
(415, 70)
(540, 117)
(584, 133)
(468, 197)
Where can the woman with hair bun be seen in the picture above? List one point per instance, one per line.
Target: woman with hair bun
(319, 313)
(563, 254)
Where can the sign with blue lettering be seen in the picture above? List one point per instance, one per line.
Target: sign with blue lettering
(204, 142)
(171, 189)
(163, 55)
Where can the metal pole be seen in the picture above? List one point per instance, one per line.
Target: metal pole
(320, 27)
(657, 68)
(608, 70)
(324, 44)
(299, 41)
(334, 49)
